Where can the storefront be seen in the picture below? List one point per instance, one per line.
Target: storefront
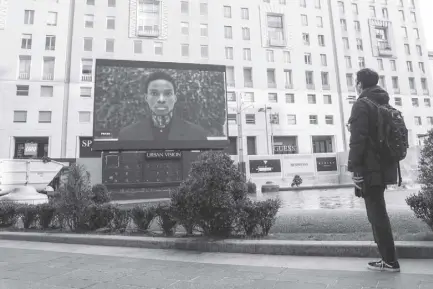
(323, 144)
(284, 145)
(31, 147)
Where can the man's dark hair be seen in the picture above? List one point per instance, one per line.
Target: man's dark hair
(159, 76)
(367, 77)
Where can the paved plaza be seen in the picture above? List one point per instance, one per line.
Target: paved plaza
(25, 265)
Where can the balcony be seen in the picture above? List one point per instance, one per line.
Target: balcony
(276, 39)
(272, 85)
(230, 83)
(384, 48)
(425, 92)
(48, 76)
(311, 86)
(397, 90)
(326, 87)
(148, 31)
(248, 84)
(289, 86)
(86, 77)
(24, 75)
(413, 91)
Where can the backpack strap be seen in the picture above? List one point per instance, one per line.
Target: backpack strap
(400, 180)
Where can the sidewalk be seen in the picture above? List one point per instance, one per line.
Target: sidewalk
(53, 266)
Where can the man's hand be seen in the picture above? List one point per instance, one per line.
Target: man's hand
(358, 180)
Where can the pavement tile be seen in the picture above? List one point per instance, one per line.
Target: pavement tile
(18, 284)
(207, 279)
(168, 274)
(145, 281)
(67, 281)
(104, 285)
(234, 282)
(260, 284)
(302, 285)
(96, 276)
(15, 275)
(191, 285)
(425, 285)
(364, 282)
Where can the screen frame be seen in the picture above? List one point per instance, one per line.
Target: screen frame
(113, 144)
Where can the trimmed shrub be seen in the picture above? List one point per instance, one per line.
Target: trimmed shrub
(99, 216)
(46, 213)
(142, 216)
(166, 219)
(28, 214)
(183, 202)
(100, 194)
(251, 187)
(297, 181)
(422, 203)
(8, 214)
(267, 211)
(249, 218)
(121, 218)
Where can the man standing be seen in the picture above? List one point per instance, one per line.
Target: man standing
(372, 171)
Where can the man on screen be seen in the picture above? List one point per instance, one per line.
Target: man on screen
(162, 124)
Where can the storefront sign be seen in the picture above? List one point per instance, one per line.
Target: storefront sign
(31, 149)
(86, 148)
(163, 155)
(298, 164)
(284, 149)
(265, 166)
(328, 164)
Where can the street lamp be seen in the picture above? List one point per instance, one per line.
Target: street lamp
(239, 109)
(265, 110)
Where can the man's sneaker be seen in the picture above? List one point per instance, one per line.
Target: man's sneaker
(383, 266)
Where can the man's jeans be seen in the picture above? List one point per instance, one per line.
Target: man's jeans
(379, 220)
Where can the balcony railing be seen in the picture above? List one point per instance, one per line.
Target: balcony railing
(397, 90)
(48, 76)
(289, 86)
(148, 32)
(426, 91)
(413, 91)
(326, 87)
(272, 85)
(384, 48)
(230, 83)
(248, 84)
(24, 75)
(86, 77)
(311, 86)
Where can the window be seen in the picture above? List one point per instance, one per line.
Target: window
(359, 44)
(23, 90)
(321, 39)
(273, 97)
(89, 19)
(90, 2)
(287, 57)
(312, 99)
(52, 19)
(385, 13)
(327, 99)
(85, 92)
(203, 9)
(407, 49)
(380, 63)
(372, 10)
(158, 48)
(307, 58)
(290, 98)
(424, 85)
(184, 28)
(361, 62)
(343, 24)
(409, 66)
(88, 44)
(247, 54)
(291, 119)
(84, 116)
(271, 78)
(412, 85)
(45, 117)
(419, 50)
(309, 79)
(250, 118)
(111, 22)
(323, 60)
(249, 97)
(346, 43)
(275, 30)
(427, 102)
(270, 55)
(184, 50)
(25, 66)
(248, 77)
(430, 120)
(228, 32)
(313, 119)
(402, 17)
(245, 13)
(382, 81)
(109, 45)
(319, 21)
(421, 67)
(246, 35)
(204, 30)
(417, 120)
(184, 7)
(29, 17)
(395, 84)
(227, 12)
(413, 16)
(348, 60)
(304, 20)
(322, 144)
(138, 46)
(355, 9)
(349, 80)
(47, 91)
(404, 30)
(325, 80)
(111, 3)
(318, 4)
(341, 7)
(26, 41)
(230, 76)
(303, 3)
(274, 118)
(329, 119)
(232, 118)
(306, 38)
(351, 99)
(48, 69)
(231, 96)
(20, 116)
(288, 81)
(86, 69)
(229, 53)
(204, 51)
(393, 65)
(398, 101)
(357, 26)
(415, 102)
(416, 32)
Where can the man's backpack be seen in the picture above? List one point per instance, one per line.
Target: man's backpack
(392, 134)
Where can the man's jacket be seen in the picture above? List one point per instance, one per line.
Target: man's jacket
(364, 157)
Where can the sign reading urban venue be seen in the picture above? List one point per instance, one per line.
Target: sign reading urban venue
(163, 155)
(140, 105)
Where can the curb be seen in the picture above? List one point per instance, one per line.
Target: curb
(322, 187)
(407, 250)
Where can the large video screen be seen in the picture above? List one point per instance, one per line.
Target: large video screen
(157, 105)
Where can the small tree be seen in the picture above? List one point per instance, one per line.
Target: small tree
(422, 203)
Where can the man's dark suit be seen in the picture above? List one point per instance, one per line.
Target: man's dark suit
(180, 130)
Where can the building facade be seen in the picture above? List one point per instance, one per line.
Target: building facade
(291, 65)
